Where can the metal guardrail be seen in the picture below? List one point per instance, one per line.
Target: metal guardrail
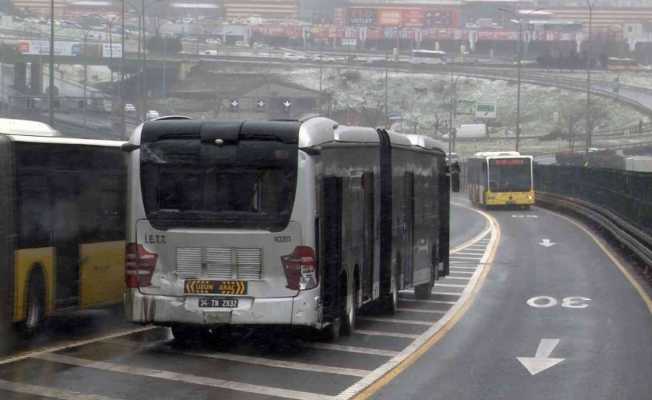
(627, 235)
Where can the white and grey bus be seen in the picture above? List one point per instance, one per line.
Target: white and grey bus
(279, 223)
(428, 57)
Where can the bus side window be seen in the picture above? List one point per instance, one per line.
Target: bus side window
(34, 211)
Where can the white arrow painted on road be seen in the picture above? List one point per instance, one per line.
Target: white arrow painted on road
(541, 360)
(547, 243)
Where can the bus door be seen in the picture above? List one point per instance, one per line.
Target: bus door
(368, 229)
(331, 216)
(386, 217)
(65, 237)
(408, 229)
(7, 235)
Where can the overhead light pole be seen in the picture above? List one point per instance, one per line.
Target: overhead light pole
(589, 121)
(519, 69)
(51, 68)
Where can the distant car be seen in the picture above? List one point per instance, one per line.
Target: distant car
(152, 114)
(130, 107)
(213, 41)
(209, 52)
(294, 57)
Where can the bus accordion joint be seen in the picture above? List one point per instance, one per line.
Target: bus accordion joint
(139, 266)
(301, 268)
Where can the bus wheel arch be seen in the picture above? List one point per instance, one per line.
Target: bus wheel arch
(35, 298)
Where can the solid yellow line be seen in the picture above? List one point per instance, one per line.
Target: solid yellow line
(632, 280)
(389, 376)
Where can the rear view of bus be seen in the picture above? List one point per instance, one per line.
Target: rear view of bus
(212, 234)
(501, 179)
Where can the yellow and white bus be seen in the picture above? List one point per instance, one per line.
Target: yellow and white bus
(500, 179)
(62, 206)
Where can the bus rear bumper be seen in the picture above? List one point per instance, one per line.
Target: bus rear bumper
(301, 310)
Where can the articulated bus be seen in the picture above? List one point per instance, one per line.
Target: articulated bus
(500, 179)
(298, 223)
(61, 222)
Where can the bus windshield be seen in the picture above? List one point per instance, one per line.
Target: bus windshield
(186, 183)
(510, 175)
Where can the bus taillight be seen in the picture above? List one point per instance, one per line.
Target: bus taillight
(139, 266)
(301, 268)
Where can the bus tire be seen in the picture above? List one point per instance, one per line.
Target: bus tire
(423, 291)
(350, 311)
(35, 314)
(185, 334)
(331, 333)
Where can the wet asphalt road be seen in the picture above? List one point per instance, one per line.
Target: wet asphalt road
(582, 311)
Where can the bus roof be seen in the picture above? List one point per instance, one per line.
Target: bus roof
(494, 154)
(434, 52)
(26, 127)
(318, 131)
(66, 140)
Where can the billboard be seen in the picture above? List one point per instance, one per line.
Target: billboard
(42, 47)
(406, 17)
(362, 16)
(112, 51)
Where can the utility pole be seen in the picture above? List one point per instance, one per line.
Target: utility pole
(386, 91)
(144, 74)
(84, 51)
(321, 76)
(51, 68)
(518, 83)
(123, 120)
(589, 122)
(452, 115)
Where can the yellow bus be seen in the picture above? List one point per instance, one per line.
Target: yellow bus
(62, 205)
(500, 179)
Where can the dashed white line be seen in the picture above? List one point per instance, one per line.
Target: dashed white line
(465, 258)
(462, 268)
(457, 278)
(397, 321)
(53, 393)
(351, 349)
(267, 362)
(421, 310)
(388, 334)
(467, 274)
(184, 378)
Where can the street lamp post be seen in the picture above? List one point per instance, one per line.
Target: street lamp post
(123, 119)
(51, 68)
(144, 72)
(519, 69)
(589, 122)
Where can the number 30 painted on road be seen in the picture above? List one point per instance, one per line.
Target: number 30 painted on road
(566, 302)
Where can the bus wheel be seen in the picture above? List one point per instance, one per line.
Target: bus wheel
(350, 311)
(35, 305)
(331, 333)
(423, 291)
(185, 334)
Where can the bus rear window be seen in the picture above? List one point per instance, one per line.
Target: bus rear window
(249, 185)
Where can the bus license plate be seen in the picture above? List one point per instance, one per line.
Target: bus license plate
(213, 302)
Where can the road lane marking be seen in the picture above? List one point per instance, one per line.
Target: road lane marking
(457, 278)
(351, 349)
(388, 334)
(447, 293)
(632, 281)
(541, 360)
(180, 377)
(464, 274)
(50, 392)
(396, 321)
(381, 376)
(463, 269)
(421, 310)
(453, 285)
(267, 362)
(73, 344)
(426, 301)
(458, 258)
